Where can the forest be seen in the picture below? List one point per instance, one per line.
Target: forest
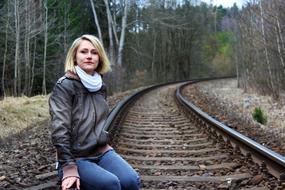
(147, 41)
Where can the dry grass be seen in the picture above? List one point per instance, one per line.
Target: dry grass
(16, 114)
(226, 92)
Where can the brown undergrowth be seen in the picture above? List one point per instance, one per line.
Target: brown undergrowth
(17, 114)
(20, 114)
(223, 101)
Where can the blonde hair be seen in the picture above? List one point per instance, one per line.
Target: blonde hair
(104, 63)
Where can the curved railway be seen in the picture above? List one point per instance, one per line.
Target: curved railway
(173, 148)
(172, 151)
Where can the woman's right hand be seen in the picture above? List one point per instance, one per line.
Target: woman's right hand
(67, 183)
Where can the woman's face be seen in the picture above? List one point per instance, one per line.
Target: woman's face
(87, 57)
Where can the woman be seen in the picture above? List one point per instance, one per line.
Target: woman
(78, 112)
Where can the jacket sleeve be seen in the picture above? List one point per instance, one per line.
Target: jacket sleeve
(60, 105)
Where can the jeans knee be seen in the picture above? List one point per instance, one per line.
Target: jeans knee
(130, 182)
(106, 184)
(114, 184)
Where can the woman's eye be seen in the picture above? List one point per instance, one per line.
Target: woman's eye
(94, 52)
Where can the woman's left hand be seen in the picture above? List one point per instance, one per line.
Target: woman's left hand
(69, 181)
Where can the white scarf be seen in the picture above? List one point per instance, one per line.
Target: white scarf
(92, 82)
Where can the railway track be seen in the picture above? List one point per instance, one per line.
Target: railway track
(171, 151)
(172, 148)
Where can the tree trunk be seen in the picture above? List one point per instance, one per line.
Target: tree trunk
(114, 25)
(110, 32)
(33, 66)
(17, 45)
(44, 91)
(279, 39)
(5, 50)
(65, 28)
(122, 37)
(275, 95)
(96, 21)
(153, 56)
(27, 48)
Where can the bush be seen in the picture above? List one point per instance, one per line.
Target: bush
(259, 115)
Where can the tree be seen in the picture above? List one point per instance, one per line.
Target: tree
(96, 21)
(44, 91)
(17, 76)
(5, 51)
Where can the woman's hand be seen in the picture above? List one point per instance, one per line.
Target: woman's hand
(69, 181)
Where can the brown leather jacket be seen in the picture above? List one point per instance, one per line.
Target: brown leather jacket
(77, 119)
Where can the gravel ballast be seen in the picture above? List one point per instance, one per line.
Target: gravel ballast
(231, 105)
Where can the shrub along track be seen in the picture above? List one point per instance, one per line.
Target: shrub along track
(171, 151)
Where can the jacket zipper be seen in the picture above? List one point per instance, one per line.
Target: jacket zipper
(95, 112)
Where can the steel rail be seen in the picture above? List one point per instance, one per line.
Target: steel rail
(116, 114)
(274, 162)
(119, 110)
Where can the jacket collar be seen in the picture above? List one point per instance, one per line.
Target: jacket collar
(72, 75)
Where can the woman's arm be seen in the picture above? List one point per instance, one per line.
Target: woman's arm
(60, 104)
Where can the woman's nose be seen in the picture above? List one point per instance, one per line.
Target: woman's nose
(89, 55)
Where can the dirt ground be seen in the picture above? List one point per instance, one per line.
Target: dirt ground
(223, 100)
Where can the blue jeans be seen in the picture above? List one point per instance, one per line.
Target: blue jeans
(106, 172)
